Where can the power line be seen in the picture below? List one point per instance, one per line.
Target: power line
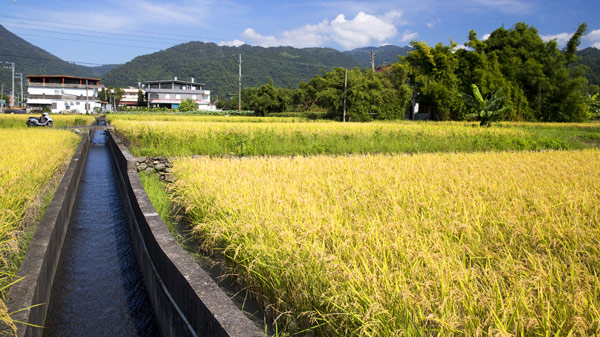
(95, 36)
(49, 59)
(104, 29)
(4, 22)
(91, 42)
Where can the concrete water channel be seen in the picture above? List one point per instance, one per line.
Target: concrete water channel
(103, 263)
(99, 289)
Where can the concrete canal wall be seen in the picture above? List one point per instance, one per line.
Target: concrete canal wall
(185, 298)
(28, 298)
(187, 302)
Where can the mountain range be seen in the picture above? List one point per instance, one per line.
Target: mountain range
(31, 60)
(217, 66)
(214, 65)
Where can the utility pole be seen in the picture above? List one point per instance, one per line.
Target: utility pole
(21, 78)
(373, 61)
(12, 91)
(240, 85)
(345, 87)
(21, 88)
(87, 108)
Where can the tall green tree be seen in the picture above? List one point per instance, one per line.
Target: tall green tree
(266, 99)
(553, 91)
(396, 94)
(366, 94)
(573, 43)
(433, 76)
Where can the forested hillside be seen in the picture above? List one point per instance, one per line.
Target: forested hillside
(31, 60)
(217, 66)
(591, 58)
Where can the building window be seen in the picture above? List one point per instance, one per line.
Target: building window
(77, 103)
(54, 105)
(166, 86)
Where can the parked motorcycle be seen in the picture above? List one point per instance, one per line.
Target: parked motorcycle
(43, 120)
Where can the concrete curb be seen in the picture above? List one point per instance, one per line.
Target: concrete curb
(32, 294)
(186, 300)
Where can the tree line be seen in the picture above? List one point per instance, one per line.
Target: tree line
(511, 75)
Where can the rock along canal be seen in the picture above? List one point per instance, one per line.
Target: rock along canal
(99, 289)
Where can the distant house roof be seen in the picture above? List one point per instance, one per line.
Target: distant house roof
(65, 76)
(175, 81)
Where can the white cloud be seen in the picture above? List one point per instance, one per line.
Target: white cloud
(561, 38)
(408, 36)
(594, 35)
(596, 45)
(232, 43)
(362, 30)
(486, 36)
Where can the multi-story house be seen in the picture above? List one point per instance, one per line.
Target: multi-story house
(170, 93)
(63, 94)
(130, 97)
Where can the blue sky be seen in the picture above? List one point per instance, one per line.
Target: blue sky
(115, 31)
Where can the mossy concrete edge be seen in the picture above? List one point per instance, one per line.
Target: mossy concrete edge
(28, 298)
(185, 298)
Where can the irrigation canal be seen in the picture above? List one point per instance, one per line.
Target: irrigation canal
(99, 289)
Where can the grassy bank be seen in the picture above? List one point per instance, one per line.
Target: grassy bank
(184, 137)
(196, 118)
(18, 121)
(449, 244)
(30, 159)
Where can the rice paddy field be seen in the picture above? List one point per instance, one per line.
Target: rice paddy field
(388, 245)
(30, 157)
(247, 136)
(397, 228)
(18, 120)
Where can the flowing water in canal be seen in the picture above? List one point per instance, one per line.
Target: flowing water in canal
(99, 290)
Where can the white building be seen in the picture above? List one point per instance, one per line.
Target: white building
(170, 93)
(63, 94)
(130, 96)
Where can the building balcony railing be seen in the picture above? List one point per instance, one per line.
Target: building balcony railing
(64, 85)
(63, 97)
(178, 91)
